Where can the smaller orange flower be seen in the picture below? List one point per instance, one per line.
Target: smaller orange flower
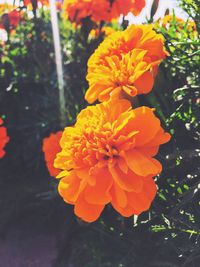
(125, 63)
(50, 148)
(3, 139)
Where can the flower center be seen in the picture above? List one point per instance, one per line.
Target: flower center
(109, 152)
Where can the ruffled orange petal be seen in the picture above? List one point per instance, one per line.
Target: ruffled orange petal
(129, 182)
(141, 202)
(145, 83)
(86, 211)
(69, 187)
(116, 110)
(137, 202)
(145, 122)
(119, 196)
(141, 164)
(99, 193)
(160, 138)
(150, 151)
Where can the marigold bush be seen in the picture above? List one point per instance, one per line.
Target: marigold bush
(125, 63)
(50, 148)
(107, 157)
(4, 139)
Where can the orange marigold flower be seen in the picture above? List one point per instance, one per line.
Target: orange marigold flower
(125, 63)
(3, 139)
(107, 157)
(50, 148)
(76, 10)
(101, 10)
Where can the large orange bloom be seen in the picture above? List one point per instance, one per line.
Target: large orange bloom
(50, 148)
(3, 139)
(125, 63)
(107, 157)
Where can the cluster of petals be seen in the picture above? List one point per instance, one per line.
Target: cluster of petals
(125, 63)
(3, 139)
(50, 148)
(108, 157)
(100, 10)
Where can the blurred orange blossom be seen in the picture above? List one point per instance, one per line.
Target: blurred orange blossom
(50, 148)
(107, 157)
(77, 10)
(10, 20)
(100, 10)
(4, 139)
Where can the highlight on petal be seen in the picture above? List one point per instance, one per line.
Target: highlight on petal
(107, 157)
